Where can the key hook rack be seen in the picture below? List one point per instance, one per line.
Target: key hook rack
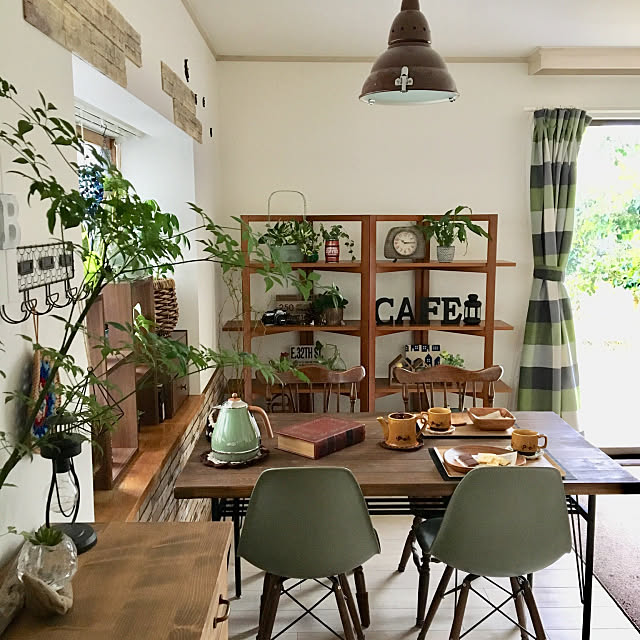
(42, 266)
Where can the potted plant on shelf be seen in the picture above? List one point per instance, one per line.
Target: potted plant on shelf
(292, 241)
(329, 305)
(332, 239)
(451, 359)
(449, 228)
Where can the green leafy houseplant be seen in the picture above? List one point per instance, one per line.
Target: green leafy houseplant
(448, 228)
(337, 232)
(298, 233)
(452, 359)
(329, 305)
(122, 236)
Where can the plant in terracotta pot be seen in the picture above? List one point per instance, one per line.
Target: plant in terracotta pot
(292, 241)
(329, 305)
(448, 228)
(332, 237)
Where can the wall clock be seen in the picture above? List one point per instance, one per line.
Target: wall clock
(405, 243)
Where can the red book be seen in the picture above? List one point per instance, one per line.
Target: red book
(320, 437)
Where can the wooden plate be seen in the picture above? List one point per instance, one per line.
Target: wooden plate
(451, 456)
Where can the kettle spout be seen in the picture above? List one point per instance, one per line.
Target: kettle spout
(385, 426)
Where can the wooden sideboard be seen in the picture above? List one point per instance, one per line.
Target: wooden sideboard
(144, 580)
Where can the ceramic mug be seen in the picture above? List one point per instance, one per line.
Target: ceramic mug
(400, 428)
(527, 441)
(439, 418)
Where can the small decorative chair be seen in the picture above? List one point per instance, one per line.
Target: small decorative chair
(309, 523)
(427, 382)
(501, 522)
(321, 379)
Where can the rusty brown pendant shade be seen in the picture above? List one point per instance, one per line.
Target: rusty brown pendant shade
(409, 71)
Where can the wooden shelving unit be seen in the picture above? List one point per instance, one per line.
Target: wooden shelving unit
(366, 328)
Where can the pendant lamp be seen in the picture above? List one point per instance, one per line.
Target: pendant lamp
(409, 71)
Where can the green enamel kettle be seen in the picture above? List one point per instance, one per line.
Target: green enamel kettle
(236, 437)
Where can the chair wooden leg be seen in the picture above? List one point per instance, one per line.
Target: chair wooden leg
(351, 606)
(273, 585)
(263, 596)
(342, 609)
(519, 601)
(533, 611)
(458, 617)
(435, 603)
(362, 597)
(423, 587)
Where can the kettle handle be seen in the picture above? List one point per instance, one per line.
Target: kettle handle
(265, 419)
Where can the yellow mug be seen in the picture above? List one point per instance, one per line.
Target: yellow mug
(527, 441)
(439, 418)
(400, 429)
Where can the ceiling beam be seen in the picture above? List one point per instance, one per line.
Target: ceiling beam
(367, 59)
(585, 61)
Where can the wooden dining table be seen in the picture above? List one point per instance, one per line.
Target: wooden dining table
(395, 482)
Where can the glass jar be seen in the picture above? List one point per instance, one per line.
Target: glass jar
(55, 566)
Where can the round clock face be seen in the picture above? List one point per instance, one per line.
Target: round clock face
(405, 243)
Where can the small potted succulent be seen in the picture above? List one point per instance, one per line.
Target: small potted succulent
(49, 555)
(328, 306)
(449, 228)
(292, 241)
(332, 239)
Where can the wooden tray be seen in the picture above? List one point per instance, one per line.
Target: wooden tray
(437, 454)
(466, 429)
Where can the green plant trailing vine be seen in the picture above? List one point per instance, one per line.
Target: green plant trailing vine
(123, 237)
(451, 227)
(294, 232)
(337, 232)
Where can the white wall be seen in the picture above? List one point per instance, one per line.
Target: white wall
(33, 62)
(301, 126)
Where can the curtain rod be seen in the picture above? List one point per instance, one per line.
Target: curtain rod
(600, 111)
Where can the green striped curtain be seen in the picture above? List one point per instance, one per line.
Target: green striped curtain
(548, 367)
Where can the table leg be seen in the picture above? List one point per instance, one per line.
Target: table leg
(236, 540)
(216, 514)
(588, 569)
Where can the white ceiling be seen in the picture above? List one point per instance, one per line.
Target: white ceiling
(460, 28)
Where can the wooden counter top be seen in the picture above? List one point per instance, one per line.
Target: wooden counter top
(144, 580)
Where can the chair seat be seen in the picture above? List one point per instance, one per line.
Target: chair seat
(426, 533)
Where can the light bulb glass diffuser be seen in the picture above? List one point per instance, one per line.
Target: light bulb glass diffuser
(65, 498)
(411, 97)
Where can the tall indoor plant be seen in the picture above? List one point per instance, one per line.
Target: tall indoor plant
(123, 236)
(448, 228)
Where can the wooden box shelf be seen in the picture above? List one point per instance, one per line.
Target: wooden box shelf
(366, 329)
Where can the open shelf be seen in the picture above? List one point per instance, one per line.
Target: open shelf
(472, 266)
(383, 388)
(347, 266)
(349, 327)
(478, 329)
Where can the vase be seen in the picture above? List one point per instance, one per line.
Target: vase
(446, 254)
(55, 566)
(332, 317)
(287, 253)
(332, 250)
(165, 301)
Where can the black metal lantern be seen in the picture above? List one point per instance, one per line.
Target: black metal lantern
(472, 308)
(63, 497)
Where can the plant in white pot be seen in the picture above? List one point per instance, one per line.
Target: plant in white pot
(448, 228)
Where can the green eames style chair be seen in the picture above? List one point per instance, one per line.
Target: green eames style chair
(309, 523)
(501, 522)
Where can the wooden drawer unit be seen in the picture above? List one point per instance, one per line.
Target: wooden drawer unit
(145, 580)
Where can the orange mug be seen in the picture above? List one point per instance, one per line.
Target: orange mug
(527, 441)
(439, 419)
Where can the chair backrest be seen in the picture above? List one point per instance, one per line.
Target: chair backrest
(505, 522)
(307, 523)
(286, 391)
(448, 379)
